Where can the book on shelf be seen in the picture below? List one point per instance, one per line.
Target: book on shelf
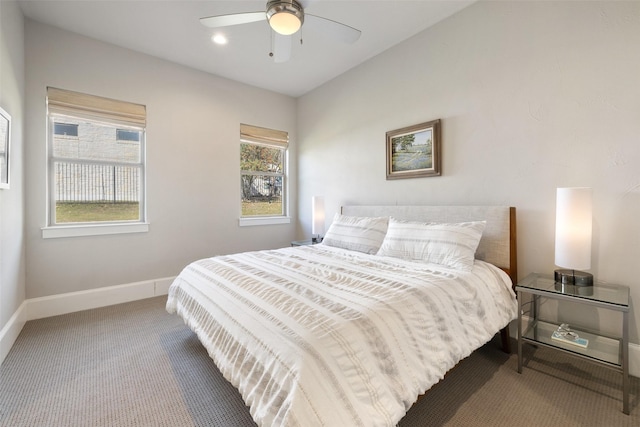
(577, 341)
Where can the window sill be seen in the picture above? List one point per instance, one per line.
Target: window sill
(92, 230)
(248, 222)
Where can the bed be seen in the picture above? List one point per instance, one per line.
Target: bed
(352, 331)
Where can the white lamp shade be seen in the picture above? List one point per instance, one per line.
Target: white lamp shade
(573, 228)
(317, 215)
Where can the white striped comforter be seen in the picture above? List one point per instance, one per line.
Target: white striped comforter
(319, 336)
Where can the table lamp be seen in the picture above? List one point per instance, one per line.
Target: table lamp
(317, 219)
(573, 236)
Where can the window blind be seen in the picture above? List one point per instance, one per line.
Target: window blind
(266, 136)
(92, 107)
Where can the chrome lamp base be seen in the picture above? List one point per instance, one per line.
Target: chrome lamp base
(573, 277)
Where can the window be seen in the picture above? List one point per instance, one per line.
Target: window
(65, 129)
(127, 135)
(94, 179)
(263, 155)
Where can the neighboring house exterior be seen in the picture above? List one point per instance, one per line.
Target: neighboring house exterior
(95, 162)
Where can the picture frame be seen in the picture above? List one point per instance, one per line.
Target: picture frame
(414, 151)
(5, 142)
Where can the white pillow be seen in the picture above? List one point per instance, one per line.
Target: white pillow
(451, 245)
(362, 234)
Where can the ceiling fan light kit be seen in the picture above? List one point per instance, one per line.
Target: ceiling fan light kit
(285, 16)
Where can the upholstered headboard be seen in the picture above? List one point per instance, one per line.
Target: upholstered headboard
(497, 245)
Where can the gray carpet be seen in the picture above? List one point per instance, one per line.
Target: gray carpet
(135, 365)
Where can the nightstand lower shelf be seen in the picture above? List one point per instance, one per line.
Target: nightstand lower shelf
(601, 349)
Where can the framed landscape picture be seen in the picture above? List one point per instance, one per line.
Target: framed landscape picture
(5, 139)
(414, 151)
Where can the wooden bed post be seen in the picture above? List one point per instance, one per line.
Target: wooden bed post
(513, 273)
(513, 250)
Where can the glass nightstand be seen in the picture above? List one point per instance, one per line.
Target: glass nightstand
(612, 352)
(303, 242)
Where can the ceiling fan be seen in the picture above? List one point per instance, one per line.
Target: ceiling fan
(286, 17)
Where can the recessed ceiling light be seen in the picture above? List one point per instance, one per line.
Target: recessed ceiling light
(219, 39)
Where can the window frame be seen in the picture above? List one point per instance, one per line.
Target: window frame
(88, 108)
(272, 139)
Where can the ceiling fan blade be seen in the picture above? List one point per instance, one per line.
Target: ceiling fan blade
(305, 3)
(281, 48)
(338, 31)
(232, 19)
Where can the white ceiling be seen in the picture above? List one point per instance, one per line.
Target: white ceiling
(171, 30)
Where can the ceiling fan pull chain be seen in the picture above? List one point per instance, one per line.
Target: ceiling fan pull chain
(272, 43)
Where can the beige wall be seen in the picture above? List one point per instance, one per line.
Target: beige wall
(12, 244)
(193, 178)
(532, 96)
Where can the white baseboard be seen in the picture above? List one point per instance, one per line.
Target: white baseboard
(55, 305)
(634, 349)
(11, 330)
(162, 285)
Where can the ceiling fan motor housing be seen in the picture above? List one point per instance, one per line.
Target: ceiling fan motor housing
(287, 6)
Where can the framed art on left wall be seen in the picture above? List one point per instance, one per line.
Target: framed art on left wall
(5, 142)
